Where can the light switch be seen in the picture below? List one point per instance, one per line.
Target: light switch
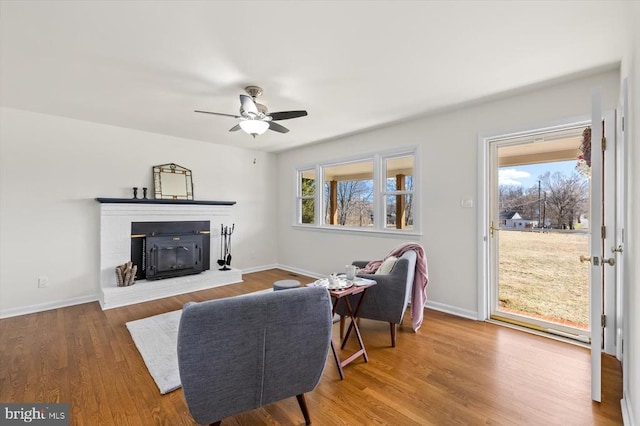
(466, 203)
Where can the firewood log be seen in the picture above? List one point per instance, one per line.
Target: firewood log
(134, 271)
(119, 278)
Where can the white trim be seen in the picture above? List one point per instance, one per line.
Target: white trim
(453, 310)
(612, 192)
(551, 336)
(628, 418)
(483, 220)
(354, 230)
(259, 268)
(301, 271)
(14, 312)
(484, 141)
(436, 306)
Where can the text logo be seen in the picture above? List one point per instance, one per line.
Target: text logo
(34, 414)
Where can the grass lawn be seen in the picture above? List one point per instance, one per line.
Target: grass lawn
(540, 275)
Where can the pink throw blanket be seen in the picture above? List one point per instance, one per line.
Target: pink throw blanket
(420, 279)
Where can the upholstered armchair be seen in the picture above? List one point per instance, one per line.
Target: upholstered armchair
(388, 299)
(240, 353)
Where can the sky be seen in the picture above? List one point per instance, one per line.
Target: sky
(527, 176)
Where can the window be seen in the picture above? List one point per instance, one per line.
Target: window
(398, 192)
(306, 196)
(348, 194)
(374, 193)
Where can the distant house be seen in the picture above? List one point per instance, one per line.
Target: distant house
(584, 220)
(514, 220)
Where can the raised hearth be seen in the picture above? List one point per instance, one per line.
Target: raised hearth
(116, 218)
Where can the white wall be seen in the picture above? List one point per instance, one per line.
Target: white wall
(51, 170)
(631, 355)
(448, 161)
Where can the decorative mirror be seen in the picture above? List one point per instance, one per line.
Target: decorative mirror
(172, 182)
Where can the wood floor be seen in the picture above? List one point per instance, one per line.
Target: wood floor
(454, 371)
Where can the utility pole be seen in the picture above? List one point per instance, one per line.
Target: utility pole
(544, 210)
(539, 208)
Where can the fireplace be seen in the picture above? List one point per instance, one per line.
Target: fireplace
(170, 249)
(116, 218)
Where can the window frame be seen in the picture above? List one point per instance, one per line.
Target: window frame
(380, 193)
(301, 197)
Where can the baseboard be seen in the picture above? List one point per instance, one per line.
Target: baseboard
(627, 413)
(302, 271)
(287, 268)
(259, 268)
(7, 313)
(453, 310)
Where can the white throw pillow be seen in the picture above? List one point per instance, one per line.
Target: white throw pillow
(387, 265)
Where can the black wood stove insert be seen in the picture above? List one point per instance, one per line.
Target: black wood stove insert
(170, 249)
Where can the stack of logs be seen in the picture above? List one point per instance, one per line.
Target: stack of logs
(126, 274)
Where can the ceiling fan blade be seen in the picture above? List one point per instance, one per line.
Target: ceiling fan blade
(277, 127)
(218, 113)
(235, 128)
(286, 115)
(248, 105)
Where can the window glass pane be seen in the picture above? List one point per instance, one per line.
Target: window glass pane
(308, 183)
(308, 210)
(306, 194)
(348, 194)
(399, 173)
(399, 211)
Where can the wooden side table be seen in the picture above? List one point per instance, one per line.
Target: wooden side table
(341, 295)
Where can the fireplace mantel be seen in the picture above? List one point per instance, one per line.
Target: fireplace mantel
(115, 247)
(154, 201)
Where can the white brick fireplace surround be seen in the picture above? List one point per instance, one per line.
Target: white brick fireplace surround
(116, 216)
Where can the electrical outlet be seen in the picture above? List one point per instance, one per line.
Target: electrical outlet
(466, 203)
(43, 282)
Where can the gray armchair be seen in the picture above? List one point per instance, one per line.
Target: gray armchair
(240, 353)
(388, 299)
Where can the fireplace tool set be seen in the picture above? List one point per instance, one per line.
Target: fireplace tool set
(225, 247)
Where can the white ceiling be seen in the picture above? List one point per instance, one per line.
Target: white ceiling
(353, 65)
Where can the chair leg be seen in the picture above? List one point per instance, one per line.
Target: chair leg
(216, 423)
(393, 334)
(341, 327)
(303, 406)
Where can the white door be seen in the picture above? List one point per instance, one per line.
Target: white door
(603, 241)
(596, 218)
(618, 248)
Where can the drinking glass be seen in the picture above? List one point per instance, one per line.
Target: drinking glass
(350, 272)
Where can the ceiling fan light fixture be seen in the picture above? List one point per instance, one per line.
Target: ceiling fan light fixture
(254, 127)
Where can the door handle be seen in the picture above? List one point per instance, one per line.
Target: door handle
(595, 260)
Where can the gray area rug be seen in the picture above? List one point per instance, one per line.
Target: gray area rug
(156, 338)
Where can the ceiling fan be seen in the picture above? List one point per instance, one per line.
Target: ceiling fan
(255, 118)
